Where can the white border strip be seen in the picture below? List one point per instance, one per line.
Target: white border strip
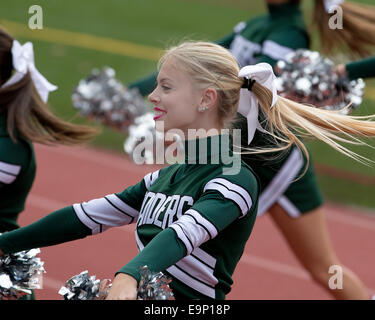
(280, 182)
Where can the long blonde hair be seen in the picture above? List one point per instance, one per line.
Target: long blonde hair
(211, 65)
(288, 120)
(357, 34)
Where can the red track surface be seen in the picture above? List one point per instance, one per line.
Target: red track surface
(267, 270)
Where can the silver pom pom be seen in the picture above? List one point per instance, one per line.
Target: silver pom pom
(307, 77)
(84, 287)
(152, 286)
(143, 131)
(20, 273)
(102, 97)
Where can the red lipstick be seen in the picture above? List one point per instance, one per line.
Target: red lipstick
(160, 115)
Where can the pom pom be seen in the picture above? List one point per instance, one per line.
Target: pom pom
(84, 287)
(20, 273)
(143, 131)
(102, 97)
(152, 286)
(306, 77)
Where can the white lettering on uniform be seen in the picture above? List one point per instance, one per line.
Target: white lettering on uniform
(155, 205)
(158, 200)
(171, 211)
(157, 222)
(146, 203)
(185, 199)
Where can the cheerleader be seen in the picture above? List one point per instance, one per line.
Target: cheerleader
(193, 219)
(296, 205)
(25, 118)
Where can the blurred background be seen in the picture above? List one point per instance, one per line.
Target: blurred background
(129, 35)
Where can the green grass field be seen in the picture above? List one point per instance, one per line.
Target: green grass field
(154, 24)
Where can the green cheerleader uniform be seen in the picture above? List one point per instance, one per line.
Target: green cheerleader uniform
(17, 173)
(192, 220)
(270, 38)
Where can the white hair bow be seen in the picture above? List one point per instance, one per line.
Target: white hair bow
(23, 61)
(248, 105)
(331, 4)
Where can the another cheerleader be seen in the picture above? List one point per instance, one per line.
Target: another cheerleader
(25, 118)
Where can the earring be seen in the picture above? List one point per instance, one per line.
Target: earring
(202, 108)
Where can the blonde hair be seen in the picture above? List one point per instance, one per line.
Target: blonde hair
(288, 120)
(357, 34)
(210, 65)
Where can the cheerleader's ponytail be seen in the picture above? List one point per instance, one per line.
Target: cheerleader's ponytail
(287, 121)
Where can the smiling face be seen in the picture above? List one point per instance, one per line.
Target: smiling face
(175, 99)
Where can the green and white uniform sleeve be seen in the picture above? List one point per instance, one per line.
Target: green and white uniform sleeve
(113, 210)
(364, 68)
(79, 220)
(58, 227)
(205, 219)
(222, 202)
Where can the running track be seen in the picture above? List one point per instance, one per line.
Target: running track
(267, 270)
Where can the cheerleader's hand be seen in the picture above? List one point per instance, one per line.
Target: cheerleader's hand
(341, 70)
(124, 287)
